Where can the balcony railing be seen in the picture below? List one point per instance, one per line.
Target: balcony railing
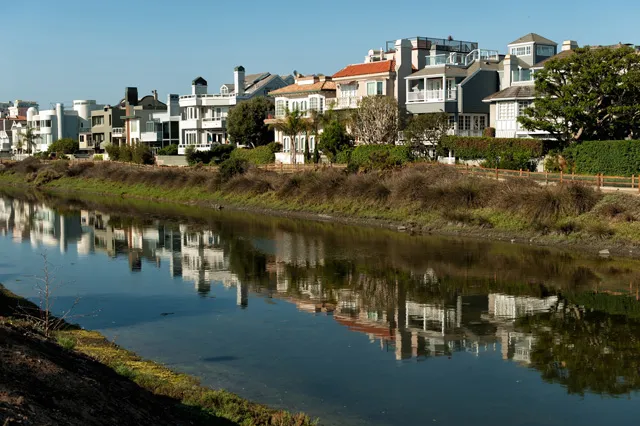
(462, 59)
(438, 95)
(212, 95)
(344, 102)
(118, 132)
(522, 76)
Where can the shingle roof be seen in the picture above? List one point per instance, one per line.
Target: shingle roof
(533, 37)
(305, 88)
(365, 69)
(560, 55)
(513, 92)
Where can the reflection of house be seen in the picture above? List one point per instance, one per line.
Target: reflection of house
(511, 307)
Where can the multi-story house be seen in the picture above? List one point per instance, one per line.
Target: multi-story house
(204, 115)
(382, 73)
(455, 78)
(526, 54)
(307, 94)
(140, 124)
(59, 123)
(103, 123)
(10, 130)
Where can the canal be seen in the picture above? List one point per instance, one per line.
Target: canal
(352, 325)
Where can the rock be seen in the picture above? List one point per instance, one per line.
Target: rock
(604, 252)
(402, 228)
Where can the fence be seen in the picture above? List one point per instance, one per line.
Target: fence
(294, 168)
(599, 180)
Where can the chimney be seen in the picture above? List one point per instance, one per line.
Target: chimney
(238, 80)
(59, 118)
(155, 95)
(569, 45)
(507, 70)
(403, 69)
(131, 96)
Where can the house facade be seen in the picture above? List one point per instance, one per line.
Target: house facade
(382, 73)
(455, 78)
(203, 120)
(106, 123)
(307, 94)
(526, 55)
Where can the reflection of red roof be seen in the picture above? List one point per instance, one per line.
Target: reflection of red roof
(364, 69)
(377, 330)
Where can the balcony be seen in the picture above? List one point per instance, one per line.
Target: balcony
(214, 123)
(522, 76)
(438, 95)
(462, 59)
(151, 136)
(117, 132)
(344, 102)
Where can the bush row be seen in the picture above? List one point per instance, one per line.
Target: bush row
(138, 154)
(606, 157)
(376, 156)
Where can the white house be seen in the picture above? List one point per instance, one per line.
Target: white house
(204, 115)
(308, 94)
(526, 55)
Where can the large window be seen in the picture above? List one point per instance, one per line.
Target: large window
(374, 88)
(545, 50)
(45, 123)
(280, 108)
(506, 110)
(521, 50)
(313, 103)
(97, 121)
(348, 90)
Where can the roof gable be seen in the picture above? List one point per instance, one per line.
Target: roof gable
(365, 69)
(534, 38)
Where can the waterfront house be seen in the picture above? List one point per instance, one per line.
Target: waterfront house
(307, 94)
(455, 78)
(204, 116)
(103, 123)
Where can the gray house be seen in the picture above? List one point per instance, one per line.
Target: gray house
(456, 77)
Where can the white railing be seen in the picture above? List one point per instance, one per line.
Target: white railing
(151, 136)
(213, 122)
(344, 102)
(117, 131)
(231, 95)
(460, 59)
(438, 95)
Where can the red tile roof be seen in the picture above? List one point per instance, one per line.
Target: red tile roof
(365, 69)
(304, 88)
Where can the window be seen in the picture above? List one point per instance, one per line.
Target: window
(97, 121)
(312, 143)
(280, 108)
(374, 88)
(45, 123)
(151, 126)
(522, 105)
(464, 122)
(110, 120)
(521, 50)
(348, 90)
(452, 121)
(313, 103)
(545, 50)
(286, 144)
(506, 111)
(134, 125)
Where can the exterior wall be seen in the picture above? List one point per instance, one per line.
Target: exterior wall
(474, 89)
(431, 107)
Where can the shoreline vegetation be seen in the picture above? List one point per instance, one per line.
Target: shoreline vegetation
(97, 382)
(423, 198)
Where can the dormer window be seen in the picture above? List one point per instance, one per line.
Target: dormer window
(521, 50)
(224, 90)
(545, 50)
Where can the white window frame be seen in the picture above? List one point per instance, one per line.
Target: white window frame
(378, 88)
(525, 50)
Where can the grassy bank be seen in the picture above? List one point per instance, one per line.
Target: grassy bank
(156, 394)
(425, 198)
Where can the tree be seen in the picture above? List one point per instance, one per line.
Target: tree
(26, 140)
(245, 123)
(426, 131)
(592, 94)
(334, 139)
(375, 121)
(292, 125)
(64, 146)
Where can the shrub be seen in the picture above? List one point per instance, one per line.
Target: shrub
(169, 150)
(379, 156)
(606, 157)
(98, 157)
(515, 153)
(343, 156)
(216, 155)
(233, 167)
(255, 156)
(67, 343)
(113, 151)
(141, 154)
(64, 146)
(489, 132)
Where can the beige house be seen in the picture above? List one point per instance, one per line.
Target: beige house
(307, 94)
(382, 73)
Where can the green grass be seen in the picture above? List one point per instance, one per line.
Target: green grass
(67, 342)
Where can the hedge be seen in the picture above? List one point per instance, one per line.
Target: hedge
(393, 154)
(620, 158)
(513, 153)
(259, 155)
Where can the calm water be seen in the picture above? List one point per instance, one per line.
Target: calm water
(355, 326)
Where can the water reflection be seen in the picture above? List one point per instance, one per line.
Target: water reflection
(414, 298)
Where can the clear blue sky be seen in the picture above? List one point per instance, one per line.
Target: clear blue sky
(57, 51)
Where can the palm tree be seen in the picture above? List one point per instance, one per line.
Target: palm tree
(292, 125)
(26, 139)
(316, 121)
